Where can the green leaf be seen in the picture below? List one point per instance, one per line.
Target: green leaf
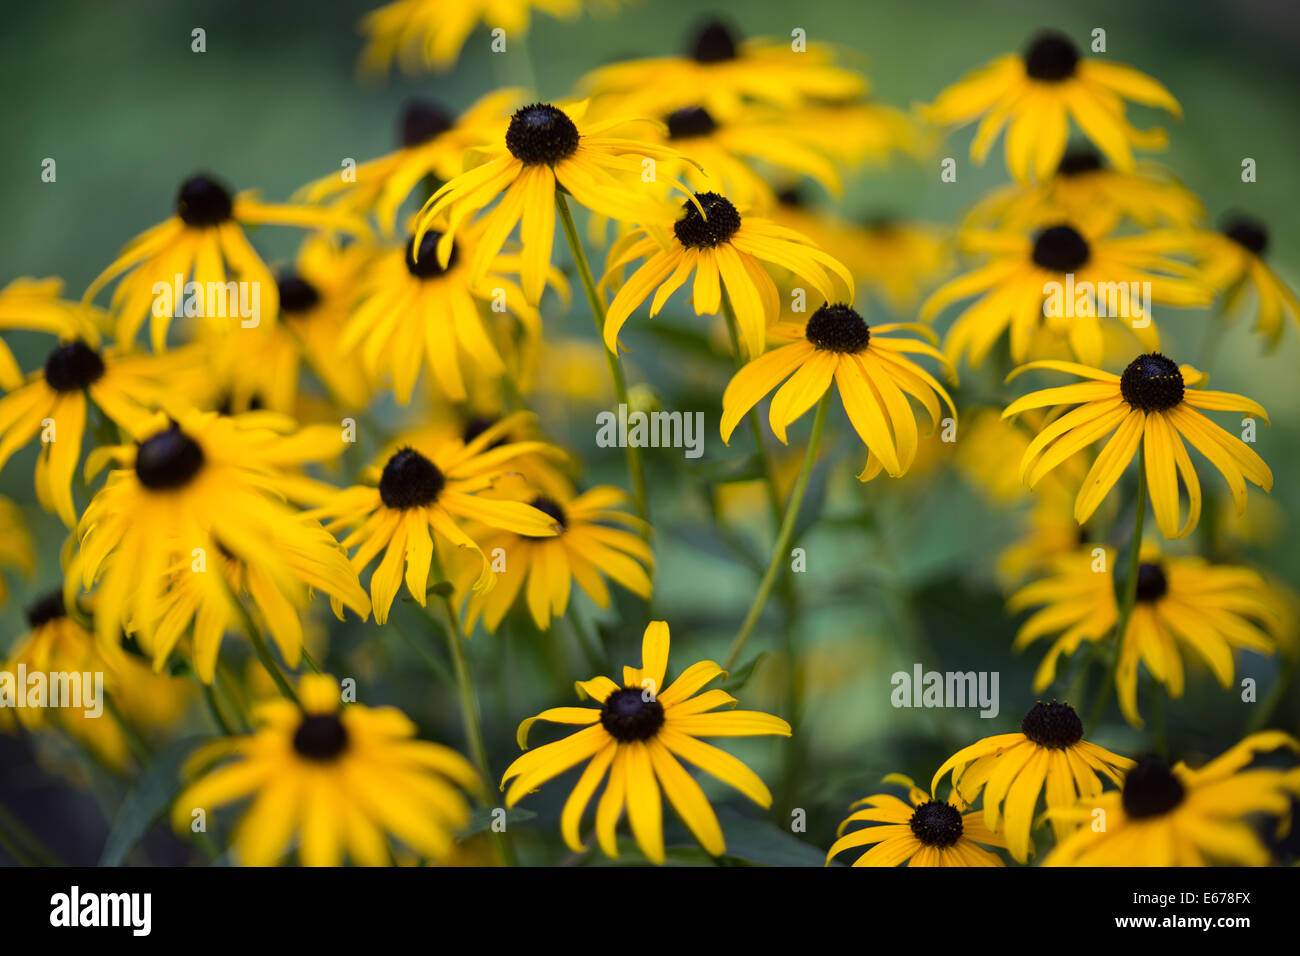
(481, 819)
(761, 843)
(740, 676)
(150, 798)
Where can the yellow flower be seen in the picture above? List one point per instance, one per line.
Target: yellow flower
(927, 832)
(720, 73)
(431, 143)
(854, 132)
(34, 305)
(431, 33)
(637, 735)
(1011, 770)
(725, 251)
(1212, 610)
(1233, 259)
(1064, 279)
(871, 370)
(585, 551)
(1183, 817)
(544, 148)
(1150, 406)
(423, 490)
(15, 544)
(203, 242)
(193, 489)
(1035, 94)
(343, 778)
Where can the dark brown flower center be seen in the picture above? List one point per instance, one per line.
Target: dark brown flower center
(541, 134)
(1151, 789)
(168, 460)
(410, 480)
(1151, 583)
(1060, 249)
(698, 232)
(1078, 161)
(936, 824)
(202, 201)
(689, 122)
(1152, 383)
(714, 43)
(1052, 725)
(46, 608)
(837, 328)
(424, 265)
(551, 507)
(421, 121)
(629, 716)
(297, 295)
(1051, 57)
(72, 367)
(1250, 234)
(320, 737)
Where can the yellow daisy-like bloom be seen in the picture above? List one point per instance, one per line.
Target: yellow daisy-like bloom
(637, 735)
(725, 251)
(341, 778)
(191, 489)
(924, 832)
(203, 242)
(856, 132)
(1150, 406)
(1085, 190)
(35, 305)
(721, 73)
(431, 33)
(1035, 94)
(57, 643)
(1233, 259)
(726, 156)
(432, 142)
(1063, 279)
(585, 550)
(16, 549)
(264, 365)
(872, 371)
(414, 310)
(428, 489)
(545, 148)
(1012, 769)
(56, 401)
(1179, 816)
(1209, 609)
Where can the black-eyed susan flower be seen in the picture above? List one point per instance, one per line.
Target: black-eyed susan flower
(637, 736)
(1013, 769)
(56, 402)
(588, 548)
(341, 779)
(1180, 816)
(415, 311)
(432, 143)
(204, 242)
(189, 490)
(922, 832)
(726, 252)
(855, 132)
(1184, 605)
(872, 371)
(417, 493)
(1149, 405)
(545, 148)
(1085, 190)
(16, 549)
(1234, 260)
(37, 305)
(721, 73)
(1061, 278)
(431, 33)
(1035, 94)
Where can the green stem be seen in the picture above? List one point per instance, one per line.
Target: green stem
(214, 708)
(765, 460)
(134, 743)
(1270, 704)
(23, 845)
(1129, 596)
(783, 536)
(635, 465)
(264, 653)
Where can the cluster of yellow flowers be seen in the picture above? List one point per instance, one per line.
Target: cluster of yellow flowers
(199, 474)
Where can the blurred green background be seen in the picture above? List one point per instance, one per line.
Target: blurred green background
(898, 572)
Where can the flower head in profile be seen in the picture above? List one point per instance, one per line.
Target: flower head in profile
(588, 548)
(1063, 279)
(36, 305)
(203, 242)
(546, 148)
(722, 72)
(726, 252)
(921, 832)
(421, 492)
(1150, 405)
(1179, 816)
(342, 779)
(637, 736)
(871, 369)
(414, 311)
(1235, 260)
(1036, 94)
(1185, 605)
(431, 33)
(1012, 770)
(193, 488)
(431, 145)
